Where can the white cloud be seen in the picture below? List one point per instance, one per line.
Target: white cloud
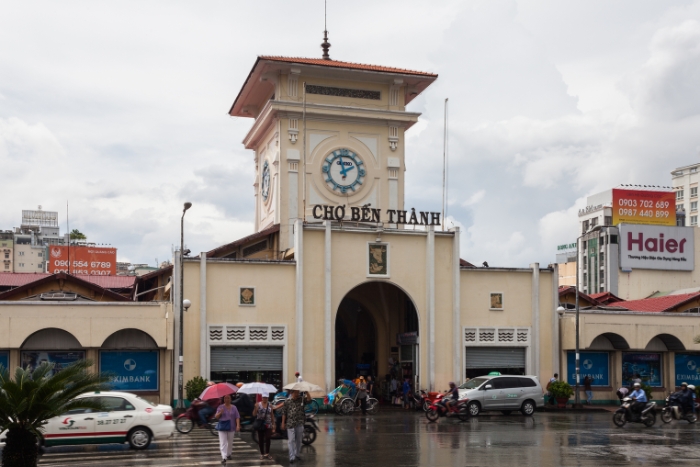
(121, 109)
(475, 198)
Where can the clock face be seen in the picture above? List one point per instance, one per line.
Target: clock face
(344, 171)
(265, 189)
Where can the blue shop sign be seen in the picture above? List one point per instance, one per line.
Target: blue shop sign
(4, 359)
(687, 368)
(595, 365)
(131, 370)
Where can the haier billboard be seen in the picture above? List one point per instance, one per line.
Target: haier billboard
(657, 247)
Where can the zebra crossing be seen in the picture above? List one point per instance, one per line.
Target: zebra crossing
(198, 448)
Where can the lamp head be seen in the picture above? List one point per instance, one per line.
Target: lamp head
(187, 206)
(186, 304)
(561, 310)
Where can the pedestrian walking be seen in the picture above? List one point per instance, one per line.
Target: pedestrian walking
(394, 390)
(587, 382)
(362, 394)
(264, 416)
(406, 389)
(298, 377)
(550, 397)
(370, 386)
(293, 421)
(227, 415)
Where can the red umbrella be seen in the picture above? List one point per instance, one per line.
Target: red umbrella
(217, 391)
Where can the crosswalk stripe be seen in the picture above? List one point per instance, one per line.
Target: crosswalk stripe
(180, 450)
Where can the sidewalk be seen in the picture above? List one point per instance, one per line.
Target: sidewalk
(584, 408)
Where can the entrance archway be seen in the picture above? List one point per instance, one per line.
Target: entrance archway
(377, 333)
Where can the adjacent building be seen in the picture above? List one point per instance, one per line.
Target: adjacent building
(685, 183)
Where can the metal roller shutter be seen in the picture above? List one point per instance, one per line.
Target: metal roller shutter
(495, 357)
(246, 359)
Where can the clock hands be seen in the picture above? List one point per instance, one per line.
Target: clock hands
(344, 170)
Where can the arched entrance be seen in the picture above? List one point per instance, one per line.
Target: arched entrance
(377, 334)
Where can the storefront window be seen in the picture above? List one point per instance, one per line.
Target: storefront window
(270, 377)
(687, 368)
(4, 359)
(61, 359)
(595, 365)
(131, 370)
(646, 365)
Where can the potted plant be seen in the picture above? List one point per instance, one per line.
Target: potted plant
(194, 388)
(561, 391)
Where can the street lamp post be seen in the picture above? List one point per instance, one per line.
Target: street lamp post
(577, 400)
(180, 401)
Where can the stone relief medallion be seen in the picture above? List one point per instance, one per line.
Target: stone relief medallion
(247, 296)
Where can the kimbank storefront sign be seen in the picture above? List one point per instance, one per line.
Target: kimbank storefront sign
(657, 247)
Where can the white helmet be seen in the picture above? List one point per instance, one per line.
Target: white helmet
(691, 387)
(637, 385)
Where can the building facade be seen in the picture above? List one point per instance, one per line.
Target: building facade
(685, 183)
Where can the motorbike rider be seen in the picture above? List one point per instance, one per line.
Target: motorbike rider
(451, 397)
(684, 399)
(206, 409)
(639, 397)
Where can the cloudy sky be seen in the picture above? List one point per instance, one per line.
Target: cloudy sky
(121, 109)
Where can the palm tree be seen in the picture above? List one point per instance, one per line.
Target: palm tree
(32, 397)
(76, 234)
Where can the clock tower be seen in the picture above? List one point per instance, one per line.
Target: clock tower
(326, 132)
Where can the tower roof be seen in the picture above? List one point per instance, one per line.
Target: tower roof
(256, 90)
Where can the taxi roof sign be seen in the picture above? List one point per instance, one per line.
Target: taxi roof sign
(494, 373)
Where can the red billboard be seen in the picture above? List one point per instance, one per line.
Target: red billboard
(643, 207)
(83, 260)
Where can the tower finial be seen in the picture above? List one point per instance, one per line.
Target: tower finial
(325, 45)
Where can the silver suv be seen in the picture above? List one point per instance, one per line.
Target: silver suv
(504, 393)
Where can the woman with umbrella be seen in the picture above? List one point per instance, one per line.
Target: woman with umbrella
(226, 414)
(264, 415)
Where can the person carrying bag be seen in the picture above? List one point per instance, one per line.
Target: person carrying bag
(263, 424)
(226, 415)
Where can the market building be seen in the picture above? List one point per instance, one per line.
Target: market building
(340, 277)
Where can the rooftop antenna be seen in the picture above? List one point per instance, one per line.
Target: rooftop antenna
(325, 45)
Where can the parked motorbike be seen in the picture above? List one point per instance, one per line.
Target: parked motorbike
(672, 410)
(186, 421)
(310, 431)
(438, 409)
(625, 414)
(418, 400)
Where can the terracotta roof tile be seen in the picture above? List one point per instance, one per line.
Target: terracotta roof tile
(660, 304)
(347, 65)
(230, 247)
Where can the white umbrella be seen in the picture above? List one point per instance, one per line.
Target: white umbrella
(303, 386)
(257, 388)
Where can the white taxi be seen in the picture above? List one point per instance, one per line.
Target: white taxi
(127, 418)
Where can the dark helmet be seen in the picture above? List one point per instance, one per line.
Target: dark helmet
(452, 384)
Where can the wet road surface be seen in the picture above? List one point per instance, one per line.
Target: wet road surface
(405, 438)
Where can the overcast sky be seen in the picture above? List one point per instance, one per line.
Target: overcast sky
(121, 109)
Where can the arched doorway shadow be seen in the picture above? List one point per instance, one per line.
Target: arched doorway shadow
(377, 333)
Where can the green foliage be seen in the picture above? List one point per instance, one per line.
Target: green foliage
(31, 397)
(76, 234)
(647, 390)
(194, 387)
(561, 390)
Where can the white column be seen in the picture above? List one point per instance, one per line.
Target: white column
(298, 257)
(177, 309)
(555, 320)
(328, 310)
(430, 305)
(535, 318)
(203, 328)
(458, 350)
